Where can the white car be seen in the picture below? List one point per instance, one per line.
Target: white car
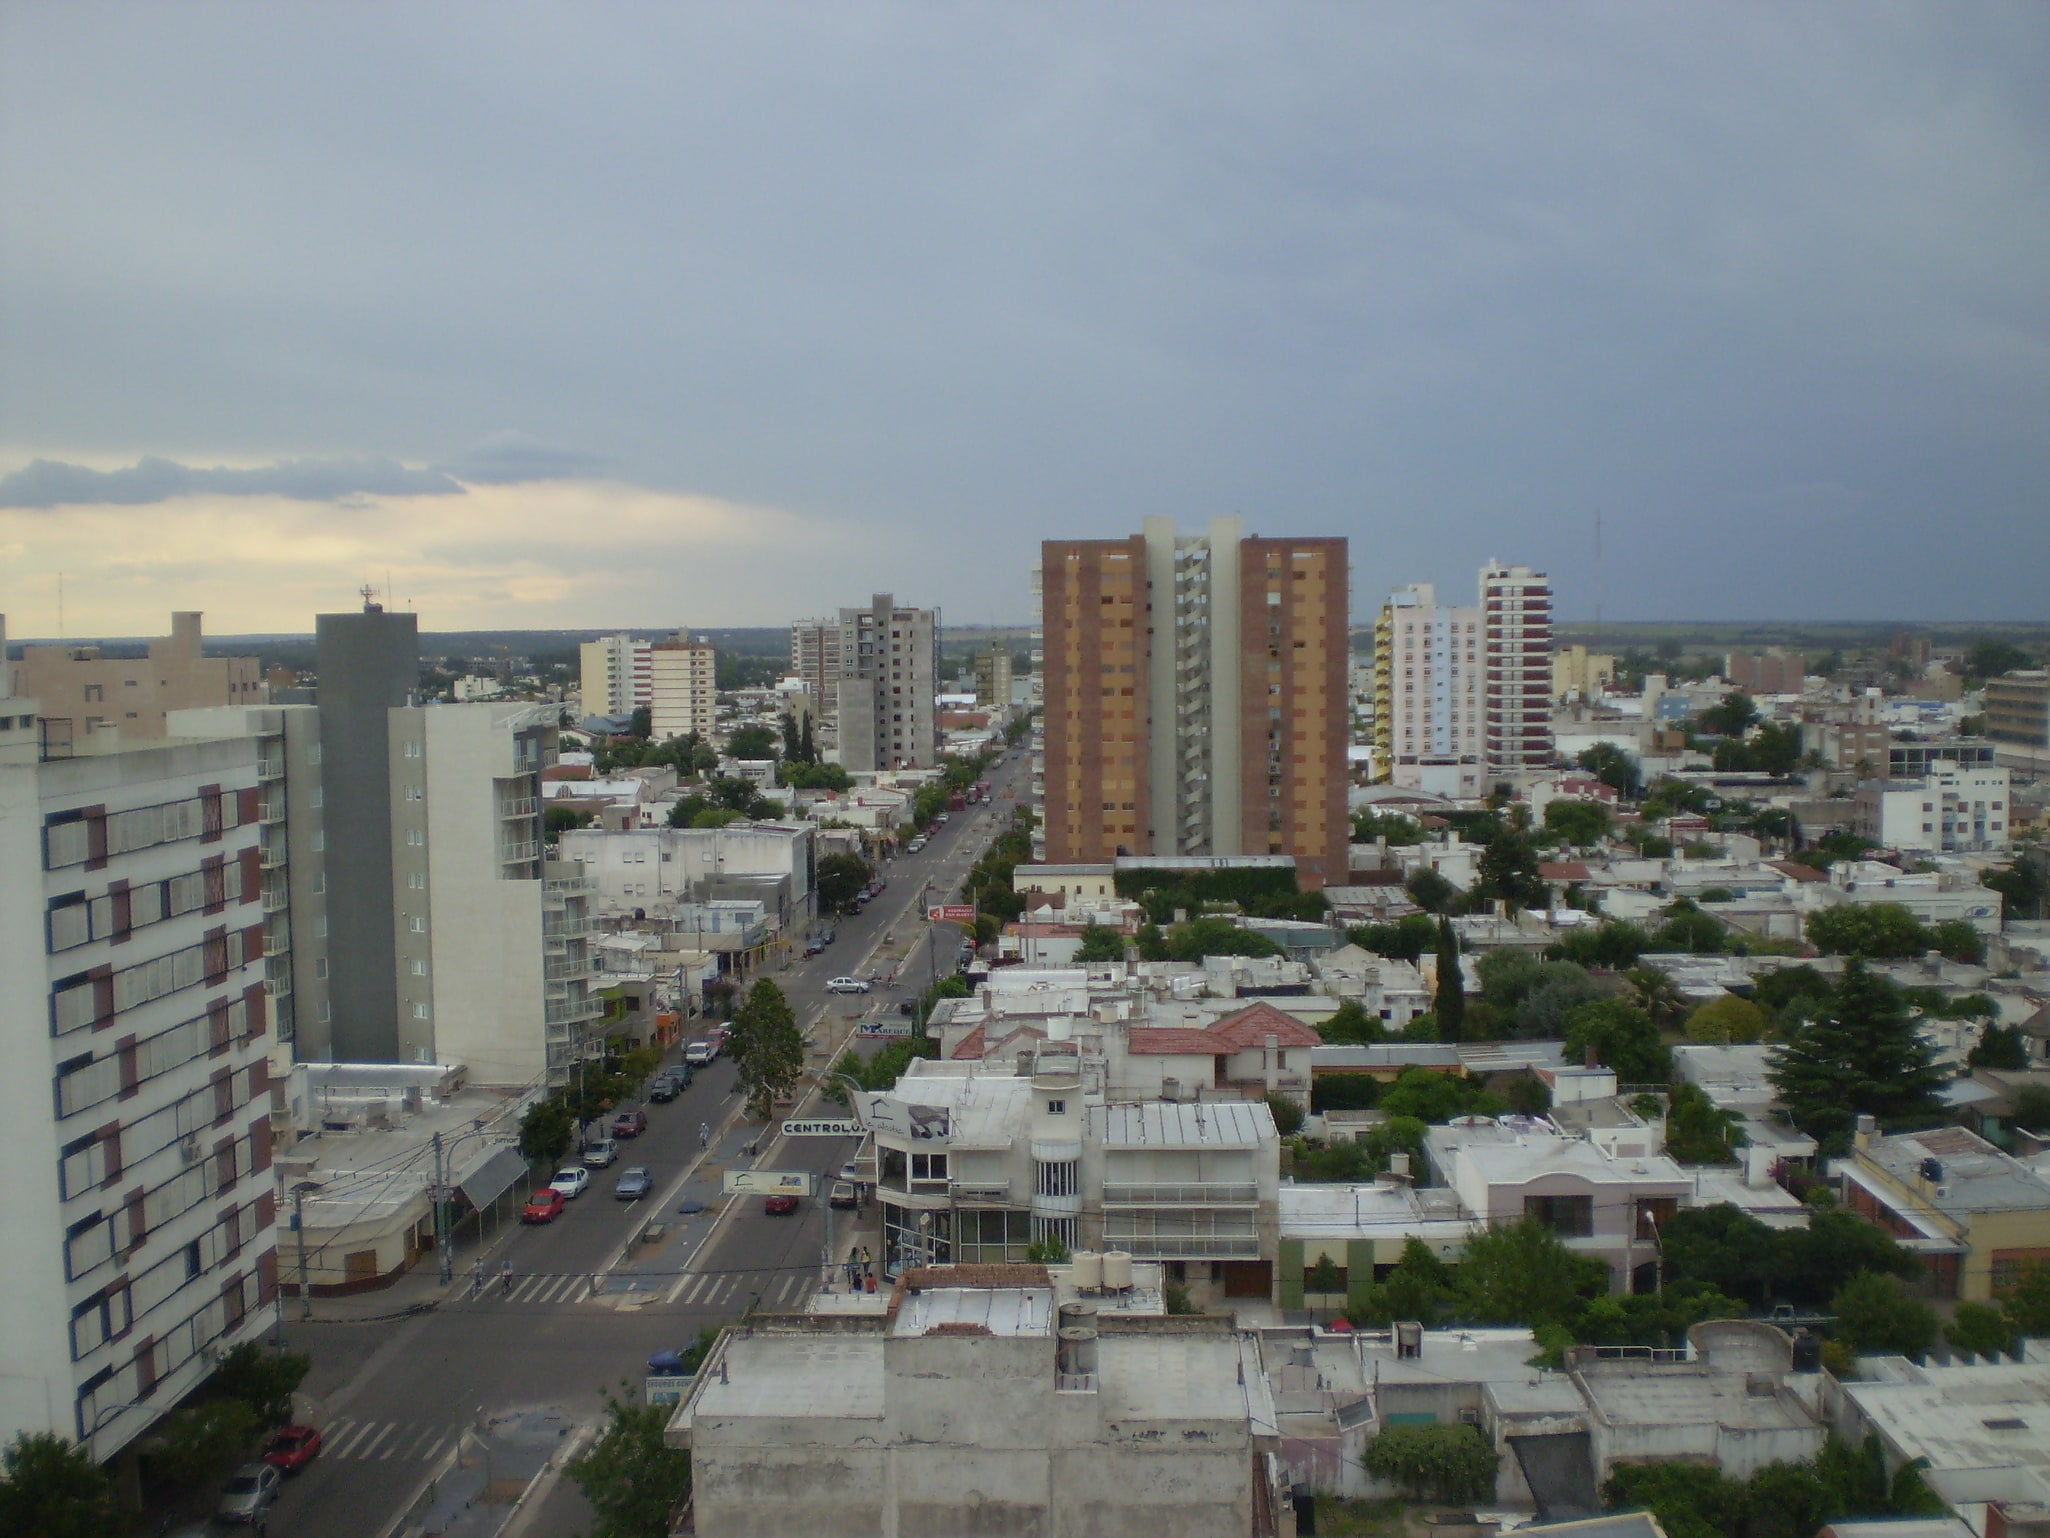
(699, 1053)
(600, 1152)
(846, 985)
(571, 1181)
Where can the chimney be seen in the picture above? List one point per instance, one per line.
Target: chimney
(1587, 1058)
(1270, 1057)
(1861, 1137)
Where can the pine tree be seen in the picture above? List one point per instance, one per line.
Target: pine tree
(766, 1046)
(1860, 1055)
(1451, 1000)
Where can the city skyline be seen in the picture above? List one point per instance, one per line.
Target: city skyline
(551, 320)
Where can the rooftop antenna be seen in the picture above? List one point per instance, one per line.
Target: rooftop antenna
(370, 604)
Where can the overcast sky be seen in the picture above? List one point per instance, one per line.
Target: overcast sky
(719, 314)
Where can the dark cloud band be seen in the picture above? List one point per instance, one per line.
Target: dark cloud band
(51, 483)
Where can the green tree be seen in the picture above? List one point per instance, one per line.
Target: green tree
(1100, 943)
(1790, 995)
(1582, 824)
(1541, 1016)
(1735, 716)
(1697, 1131)
(1450, 998)
(1876, 931)
(767, 1050)
(1959, 940)
(1613, 767)
(1404, 940)
(840, 880)
(1992, 659)
(641, 724)
(1980, 1328)
(2000, 1047)
(1776, 748)
(561, 819)
(1654, 992)
(197, 1444)
(2024, 886)
(1430, 1096)
(1612, 943)
(1344, 1092)
(1860, 1055)
(1151, 943)
(546, 1130)
(1216, 937)
(1726, 1020)
(2027, 1304)
(1877, 1314)
(51, 1488)
(1520, 1273)
(1351, 1025)
(1420, 1286)
(1430, 890)
(1399, 831)
(1508, 871)
(1440, 1463)
(1687, 928)
(1288, 1116)
(630, 1475)
(262, 1378)
(1689, 1500)
(1621, 1037)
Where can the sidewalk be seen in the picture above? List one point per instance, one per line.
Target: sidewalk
(498, 1462)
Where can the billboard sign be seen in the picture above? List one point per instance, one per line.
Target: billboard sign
(823, 1126)
(951, 913)
(886, 1026)
(768, 1183)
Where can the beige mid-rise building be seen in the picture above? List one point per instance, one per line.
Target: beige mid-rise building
(82, 690)
(683, 687)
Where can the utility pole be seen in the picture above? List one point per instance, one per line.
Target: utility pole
(441, 1238)
(299, 1227)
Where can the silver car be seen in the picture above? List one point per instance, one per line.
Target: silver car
(252, 1491)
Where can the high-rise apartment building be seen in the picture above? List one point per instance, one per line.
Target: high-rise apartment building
(1516, 608)
(82, 690)
(1429, 692)
(618, 675)
(815, 658)
(889, 675)
(683, 687)
(993, 675)
(1463, 694)
(1195, 697)
(141, 1217)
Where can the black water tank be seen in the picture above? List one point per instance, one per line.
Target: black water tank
(1807, 1351)
(1932, 1171)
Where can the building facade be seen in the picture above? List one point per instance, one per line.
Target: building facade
(618, 675)
(1195, 701)
(82, 690)
(889, 675)
(1954, 809)
(683, 687)
(1516, 609)
(2018, 717)
(815, 658)
(993, 675)
(135, 1025)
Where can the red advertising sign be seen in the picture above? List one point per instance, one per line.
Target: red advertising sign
(951, 913)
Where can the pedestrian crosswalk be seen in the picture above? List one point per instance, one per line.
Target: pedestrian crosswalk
(737, 1290)
(541, 1287)
(386, 1441)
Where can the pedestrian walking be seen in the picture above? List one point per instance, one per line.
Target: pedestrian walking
(476, 1276)
(505, 1275)
(704, 1134)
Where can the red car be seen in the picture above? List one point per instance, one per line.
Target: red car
(545, 1207)
(293, 1448)
(630, 1124)
(777, 1206)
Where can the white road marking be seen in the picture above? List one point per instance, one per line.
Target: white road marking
(370, 1447)
(340, 1446)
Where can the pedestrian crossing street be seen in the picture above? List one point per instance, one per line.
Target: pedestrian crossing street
(386, 1441)
(542, 1287)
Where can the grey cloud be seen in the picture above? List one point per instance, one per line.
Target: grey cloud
(45, 483)
(509, 457)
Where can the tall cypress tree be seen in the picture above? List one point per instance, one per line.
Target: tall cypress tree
(1860, 1055)
(1451, 1000)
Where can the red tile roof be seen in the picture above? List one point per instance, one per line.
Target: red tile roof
(969, 1047)
(1562, 870)
(1251, 1026)
(1797, 871)
(1172, 1041)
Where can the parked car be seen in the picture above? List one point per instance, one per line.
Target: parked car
(570, 1180)
(846, 985)
(701, 1054)
(545, 1206)
(252, 1491)
(907, 1006)
(779, 1206)
(847, 1173)
(662, 1089)
(843, 1194)
(634, 1183)
(292, 1448)
(599, 1153)
(630, 1124)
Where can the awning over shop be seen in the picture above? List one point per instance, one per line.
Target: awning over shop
(492, 1178)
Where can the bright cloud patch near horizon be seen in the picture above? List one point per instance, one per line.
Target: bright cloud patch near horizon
(556, 552)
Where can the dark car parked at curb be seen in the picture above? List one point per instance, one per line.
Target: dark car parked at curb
(630, 1124)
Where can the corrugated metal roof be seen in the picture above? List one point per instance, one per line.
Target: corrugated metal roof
(1167, 1124)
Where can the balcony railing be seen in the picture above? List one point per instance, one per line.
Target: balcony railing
(270, 811)
(519, 806)
(273, 857)
(567, 929)
(1195, 1193)
(572, 1011)
(522, 853)
(270, 768)
(562, 969)
(1186, 1247)
(276, 899)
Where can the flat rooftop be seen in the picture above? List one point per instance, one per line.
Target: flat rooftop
(1630, 1392)
(1977, 1417)
(1977, 1177)
(1013, 1311)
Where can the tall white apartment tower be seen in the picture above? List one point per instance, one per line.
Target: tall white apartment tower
(889, 673)
(683, 687)
(618, 675)
(1462, 696)
(1516, 608)
(1429, 692)
(141, 1214)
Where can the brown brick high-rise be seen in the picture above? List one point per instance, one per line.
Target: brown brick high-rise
(1195, 697)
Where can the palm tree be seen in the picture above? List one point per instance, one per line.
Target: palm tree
(1652, 991)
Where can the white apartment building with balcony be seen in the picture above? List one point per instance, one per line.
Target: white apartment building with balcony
(617, 675)
(975, 1162)
(1954, 809)
(134, 1023)
(683, 687)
